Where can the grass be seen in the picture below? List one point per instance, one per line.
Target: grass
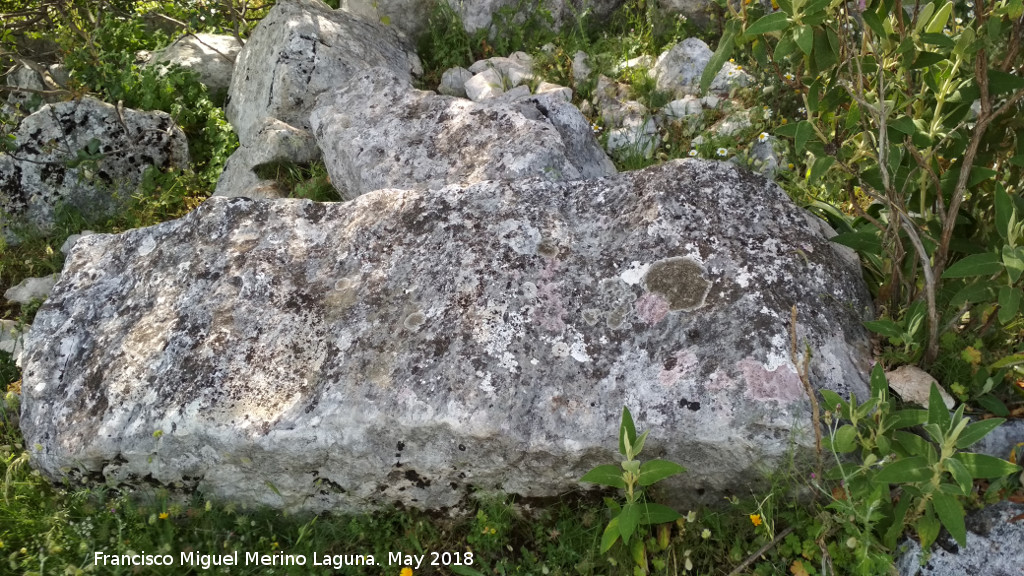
(58, 529)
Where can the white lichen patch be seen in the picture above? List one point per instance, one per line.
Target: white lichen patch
(560, 349)
(635, 273)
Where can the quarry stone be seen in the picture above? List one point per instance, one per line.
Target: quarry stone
(411, 346)
(377, 133)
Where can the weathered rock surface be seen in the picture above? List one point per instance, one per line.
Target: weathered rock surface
(211, 56)
(300, 50)
(453, 82)
(994, 537)
(407, 345)
(86, 154)
(273, 143)
(377, 133)
(678, 70)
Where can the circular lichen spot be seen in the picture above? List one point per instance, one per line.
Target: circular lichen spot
(415, 320)
(680, 281)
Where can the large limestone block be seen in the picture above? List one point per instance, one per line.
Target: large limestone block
(408, 345)
(84, 153)
(301, 49)
(377, 133)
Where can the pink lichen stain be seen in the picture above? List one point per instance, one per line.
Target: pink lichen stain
(718, 381)
(685, 361)
(651, 308)
(550, 312)
(781, 384)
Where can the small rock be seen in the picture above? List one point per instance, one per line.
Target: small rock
(733, 124)
(639, 139)
(643, 62)
(563, 91)
(686, 106)
(453, 82)
(211, 56)
(10, 337)
(31, 289)
(69, 244)
(485, 84)
(581, 67)
(763, 153)
(915, 385)
(515, 94)
(679, 69)
(710, 101)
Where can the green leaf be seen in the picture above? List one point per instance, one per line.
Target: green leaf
(639, 444)
(611, 534)
(904, 124)
(1004, 211)
(879, 384)
(937, 412)
(928, 528)
(909, 417)
(977, 431)
(875, 23)
(895, 530)
(985, 466)
(626, 430)
(832, 400)
(654, 470)
(979, 175)
(1009, 304)
(721, 55)
(940, 19)
(1000, 82)
(820, 166)
(994, 404)
(951, 513)
(804, 131)
(975, 265)
(770, 23)
(465, 571)
(845, 439)
(804, 38)
(885, 327)
(1013, 261)
(960, 474)
(865, 241)
(913, 469)
(606, 475)
(652, 513)
(1007, 361)
(629, 519)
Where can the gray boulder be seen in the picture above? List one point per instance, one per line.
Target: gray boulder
(300, 50)
(453, 82)
(994, 537)
(86, 154)
(211, 56)
(377, 133)
(678, 70)
(407, 346)
(273, 143)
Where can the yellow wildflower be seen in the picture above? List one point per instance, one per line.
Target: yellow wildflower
(755, 519)
(406, 571)
(164, 515)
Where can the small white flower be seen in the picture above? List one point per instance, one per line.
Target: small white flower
(705, 534)
(693, 153)
(801, 110)
(970, 14)
(722, 152)
(763, 137)
(958, 20)
(768, 113)
(789, 76)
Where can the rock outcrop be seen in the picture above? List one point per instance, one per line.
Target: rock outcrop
(86, 154)
(408, 345)
(993, 547)
(376, 132)
(679, 69)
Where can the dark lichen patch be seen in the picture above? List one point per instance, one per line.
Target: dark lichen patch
(681, 281)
